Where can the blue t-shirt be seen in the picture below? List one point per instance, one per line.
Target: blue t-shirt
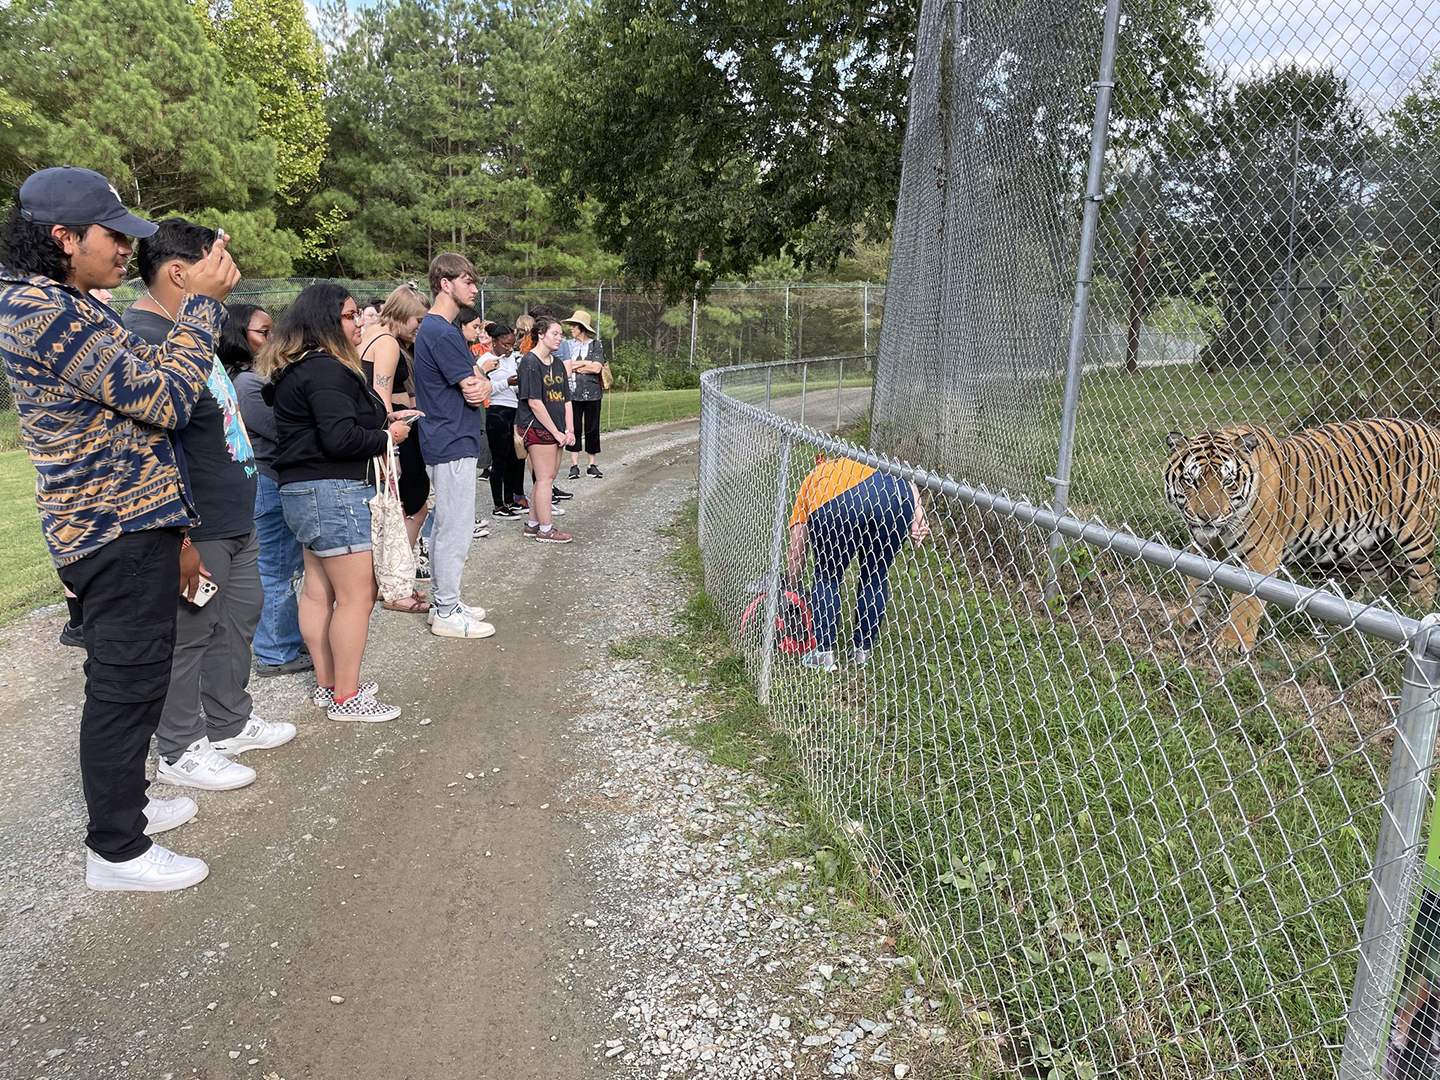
(451, 429)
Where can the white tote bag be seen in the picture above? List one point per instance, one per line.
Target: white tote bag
(390, 544)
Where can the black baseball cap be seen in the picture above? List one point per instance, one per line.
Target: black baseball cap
(66, 195)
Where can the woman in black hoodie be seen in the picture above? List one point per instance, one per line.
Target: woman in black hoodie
(329, 424)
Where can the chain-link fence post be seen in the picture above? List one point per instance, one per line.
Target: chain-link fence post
(777, 568)
(1084, 274)
(865, 319)
(694, 320)
(482, 305)
(599, 299)
(804, 378)
(840, 394)
(1402, 822)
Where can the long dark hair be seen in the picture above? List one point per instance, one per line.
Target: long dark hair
(233, 348)
(27, 248)
(311, 323)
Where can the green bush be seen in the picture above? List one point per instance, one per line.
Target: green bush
(633, 365)
(679, 375)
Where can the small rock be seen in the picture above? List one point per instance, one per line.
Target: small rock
(591, 923)
(234, 1054)
(424, 721)
(902, 1071)
(336, 999)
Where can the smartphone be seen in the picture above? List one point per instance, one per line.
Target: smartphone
(221, 234)
(205, 592)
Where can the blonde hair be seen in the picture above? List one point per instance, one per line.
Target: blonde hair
(401, 306)
(524, 326)
(312, 323)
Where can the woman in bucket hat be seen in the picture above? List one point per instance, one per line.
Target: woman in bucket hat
(585, 364)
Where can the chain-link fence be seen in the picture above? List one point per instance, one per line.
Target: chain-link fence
(1129, 852)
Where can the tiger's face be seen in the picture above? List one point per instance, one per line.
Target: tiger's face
(1210, 480)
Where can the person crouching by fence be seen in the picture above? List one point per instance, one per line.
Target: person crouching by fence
(844, 510)
(329, 424)
(97, 408)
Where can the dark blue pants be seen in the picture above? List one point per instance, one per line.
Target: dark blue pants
(871, 522)
(277, 638)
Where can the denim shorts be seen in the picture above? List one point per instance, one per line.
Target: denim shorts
(328, 517)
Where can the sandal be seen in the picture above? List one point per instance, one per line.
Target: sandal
(414, 604)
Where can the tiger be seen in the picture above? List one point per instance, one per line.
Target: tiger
(1354, 495)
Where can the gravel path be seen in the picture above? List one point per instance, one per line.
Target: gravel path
(527, 875)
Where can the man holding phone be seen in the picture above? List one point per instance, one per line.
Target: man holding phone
(221, 593)
(97, 406)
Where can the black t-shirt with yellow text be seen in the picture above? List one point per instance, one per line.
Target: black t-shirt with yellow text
(549, 383)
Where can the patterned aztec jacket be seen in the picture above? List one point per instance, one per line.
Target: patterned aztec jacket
(97, 406)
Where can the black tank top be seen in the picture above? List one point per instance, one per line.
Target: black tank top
(402, 365)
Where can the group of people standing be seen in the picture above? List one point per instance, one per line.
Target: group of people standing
(196, 464)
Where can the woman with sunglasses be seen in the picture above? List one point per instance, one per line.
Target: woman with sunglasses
(330, 423)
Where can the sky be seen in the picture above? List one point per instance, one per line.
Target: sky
(1382, 46)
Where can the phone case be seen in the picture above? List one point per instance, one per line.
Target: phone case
(206, 590)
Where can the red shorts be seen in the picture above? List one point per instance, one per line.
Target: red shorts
(539, 435)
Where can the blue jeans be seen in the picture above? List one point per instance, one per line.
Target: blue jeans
(277, 638)
(871, 521)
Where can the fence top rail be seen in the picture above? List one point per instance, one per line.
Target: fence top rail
(719, 373)
(1422, 637)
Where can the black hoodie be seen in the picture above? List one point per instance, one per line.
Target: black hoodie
(328, 422)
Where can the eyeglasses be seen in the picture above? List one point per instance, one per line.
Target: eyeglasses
(265, 333)
(349, 316)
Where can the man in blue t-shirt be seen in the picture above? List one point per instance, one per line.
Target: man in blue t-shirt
(451, 394)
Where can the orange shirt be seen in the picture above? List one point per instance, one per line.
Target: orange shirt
(828, 479)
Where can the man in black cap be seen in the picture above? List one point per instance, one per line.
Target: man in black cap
(97, 407)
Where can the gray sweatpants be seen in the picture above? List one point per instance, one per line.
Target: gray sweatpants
(212, 649)
(453, 528)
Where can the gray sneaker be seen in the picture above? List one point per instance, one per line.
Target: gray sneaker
(819, 660)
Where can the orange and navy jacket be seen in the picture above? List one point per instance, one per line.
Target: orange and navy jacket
(97, 405)
(833, 476)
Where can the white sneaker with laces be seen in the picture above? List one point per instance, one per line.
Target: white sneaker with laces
(819, 660)
(257, 734)
(201, 767)
(157, 870)
(322, 697)
(481, 530)
(364, 708)
(460, 624)
(162, 815)
(477, 612)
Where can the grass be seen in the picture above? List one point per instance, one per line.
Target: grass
(631, 408)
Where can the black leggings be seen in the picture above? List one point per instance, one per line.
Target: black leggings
(414, 480)
(507, 472)
(587, 427)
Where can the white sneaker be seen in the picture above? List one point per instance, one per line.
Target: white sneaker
(481, 530)
(157, 870)
(819, 660)
(201, 767)
(556, 510)
(257, 734)
(460, 624)
(365, 708)
(861, 656)
(477, 613)
(322, 697)
(162, 815)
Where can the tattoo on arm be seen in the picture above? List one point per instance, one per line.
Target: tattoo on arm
(383, 380)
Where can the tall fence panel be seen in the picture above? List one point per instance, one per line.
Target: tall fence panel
(1130, 853)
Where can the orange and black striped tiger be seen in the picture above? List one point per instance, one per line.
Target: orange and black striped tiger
(1353, 496)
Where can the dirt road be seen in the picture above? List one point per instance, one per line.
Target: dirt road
(422, 871)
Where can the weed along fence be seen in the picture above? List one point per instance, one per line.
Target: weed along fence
(1130, 851)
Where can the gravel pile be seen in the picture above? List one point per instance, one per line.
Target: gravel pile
(735, 964)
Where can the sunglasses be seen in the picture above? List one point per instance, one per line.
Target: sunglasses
(349, 316)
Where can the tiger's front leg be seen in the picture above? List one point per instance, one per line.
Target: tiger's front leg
(1240, 629)
(1201, 594)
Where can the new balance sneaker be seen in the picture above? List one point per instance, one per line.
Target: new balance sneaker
(594, 472)
(819, 660)
(553, 536)
(364, 708)
(257, 734)
(481, 530)
(200, 766)
(477, 613)
(422, 561)
(162, 815)
(574, 472)
(460, 624)
(322, 697)
(560, 494)
(157, 870)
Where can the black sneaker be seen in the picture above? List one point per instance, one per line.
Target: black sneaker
(70, 635)
(560, 494)
(506, 511)
(594, 470)
(290, 667)
(485, 473)
(574, 472)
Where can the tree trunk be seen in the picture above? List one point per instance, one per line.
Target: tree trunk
(1138, 305)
